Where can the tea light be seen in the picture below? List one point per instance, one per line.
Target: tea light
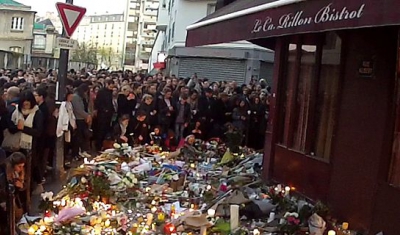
(42, 228)
(211, 212)
(31, 231)
(107, 223)
(331, 232)
(287, 190)
(256, 232)
(345, 226)
(192, 165)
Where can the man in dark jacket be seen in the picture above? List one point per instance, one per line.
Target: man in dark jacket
(104, 108)
(182, 116)
(43, 147)
(206, 102)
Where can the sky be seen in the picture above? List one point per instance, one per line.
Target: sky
(92, 6)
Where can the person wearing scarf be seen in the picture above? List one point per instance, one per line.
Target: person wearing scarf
(28, 121)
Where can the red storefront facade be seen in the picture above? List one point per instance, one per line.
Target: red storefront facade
(333, 132)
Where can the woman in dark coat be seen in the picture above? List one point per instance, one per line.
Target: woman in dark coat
(126, 102)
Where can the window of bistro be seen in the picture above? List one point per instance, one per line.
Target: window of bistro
(309, 94)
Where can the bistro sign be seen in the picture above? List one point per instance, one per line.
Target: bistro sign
(326, 14)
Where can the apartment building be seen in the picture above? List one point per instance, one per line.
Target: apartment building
(44, 51)
(131, 28)
(146, 33)
(105, 34)
(239, 61)
(16, 31)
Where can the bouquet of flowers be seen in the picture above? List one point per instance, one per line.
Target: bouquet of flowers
(46, 204)
(291, 224)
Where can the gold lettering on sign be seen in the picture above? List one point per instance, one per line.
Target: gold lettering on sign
(297, 19)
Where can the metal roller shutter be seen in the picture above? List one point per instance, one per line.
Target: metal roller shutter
(266, 72)
(215, 69)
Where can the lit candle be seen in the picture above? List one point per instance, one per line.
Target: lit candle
(107, 223)
(287, 190)
(192, 165)
(256, 232)
(211, 212)
(153, 202)
(345, 226)
(271, 217)
(203, 230)
(42, 228)
(31, 231)
(149, 217)
(331, 232)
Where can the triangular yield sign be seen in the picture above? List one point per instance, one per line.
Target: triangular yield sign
(71, 16)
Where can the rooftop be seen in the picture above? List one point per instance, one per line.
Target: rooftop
(11, 3)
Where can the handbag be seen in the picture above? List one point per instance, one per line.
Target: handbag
(11, 141)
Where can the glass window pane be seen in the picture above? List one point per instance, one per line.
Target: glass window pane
(302, 102)
(291, 73)
(327, 96)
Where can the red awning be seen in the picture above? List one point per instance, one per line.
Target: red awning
(251, 20)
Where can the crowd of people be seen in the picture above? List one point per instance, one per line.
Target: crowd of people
(102, 107)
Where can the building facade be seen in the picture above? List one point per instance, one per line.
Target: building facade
(131, 28)
(333, 130)
(240, 61)
(44, 51)
(16, 30)
(146, 33)
(105, 34)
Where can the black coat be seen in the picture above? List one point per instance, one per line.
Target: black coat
(165, 114)
(186, 112)
(103, 103)
(125, 106)
(205, 107)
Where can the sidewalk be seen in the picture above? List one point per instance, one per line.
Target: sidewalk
(52, 185)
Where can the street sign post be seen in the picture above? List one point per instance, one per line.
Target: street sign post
(70, 16)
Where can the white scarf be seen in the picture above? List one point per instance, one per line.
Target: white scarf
(66, 117)
(26, 140)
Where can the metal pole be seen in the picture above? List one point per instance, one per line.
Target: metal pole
(58, 163)
(11, 208)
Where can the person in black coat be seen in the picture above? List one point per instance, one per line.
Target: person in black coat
(166, 110)
(126, 102)
(222, 112)
(120, 130)
(139, 128)
(148, 107)
(206, 102)
(183, 115)
(104, 108)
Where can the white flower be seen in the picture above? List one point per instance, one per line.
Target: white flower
(126, 181)
(83, 180)
(47, 196)
(125, 145)
(116, 146)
